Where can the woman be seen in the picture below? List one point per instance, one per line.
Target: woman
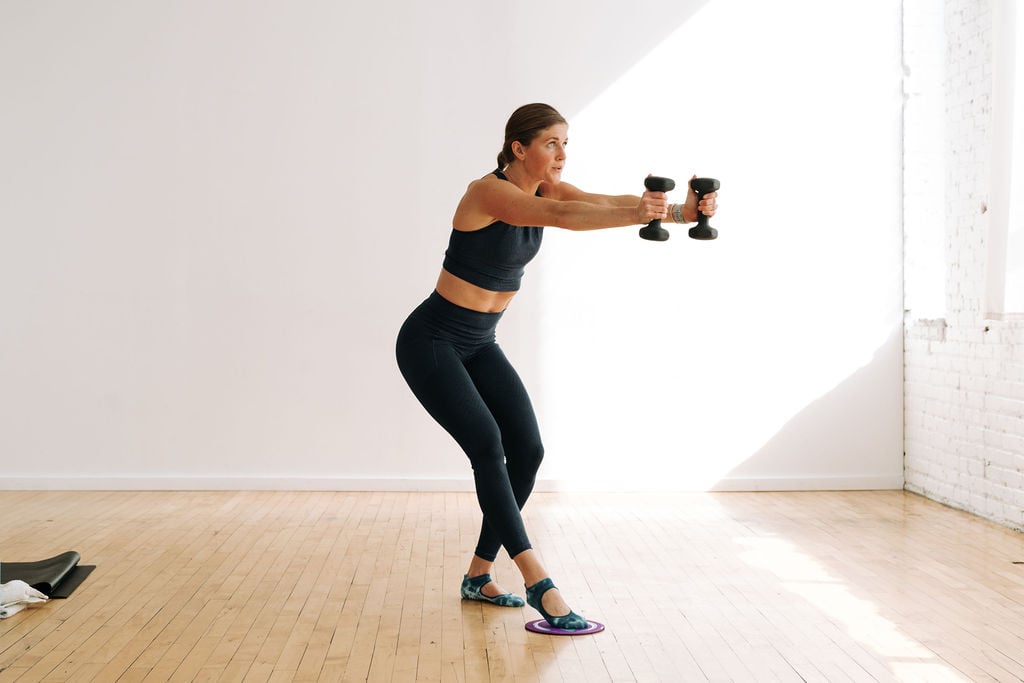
(447, 352)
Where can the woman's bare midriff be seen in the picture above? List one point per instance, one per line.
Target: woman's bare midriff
(468, 295)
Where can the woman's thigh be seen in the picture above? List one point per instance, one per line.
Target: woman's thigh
(439, 380)
(507, 399)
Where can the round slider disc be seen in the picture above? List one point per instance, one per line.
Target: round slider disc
(542, 626)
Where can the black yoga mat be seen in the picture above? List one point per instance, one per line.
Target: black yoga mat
(55, 577)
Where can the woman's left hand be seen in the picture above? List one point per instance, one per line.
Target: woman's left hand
(707, 206)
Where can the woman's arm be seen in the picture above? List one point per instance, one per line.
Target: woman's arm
(567, 192)
(487, 200)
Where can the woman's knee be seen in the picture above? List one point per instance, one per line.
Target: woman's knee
(526, 457)
(520, 457)
(486, 454)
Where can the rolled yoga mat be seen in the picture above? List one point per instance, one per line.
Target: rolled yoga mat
(56, 577)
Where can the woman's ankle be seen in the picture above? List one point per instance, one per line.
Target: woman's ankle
(530, 567)
(478, 566)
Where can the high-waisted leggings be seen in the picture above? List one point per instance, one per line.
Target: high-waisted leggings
(451, 361)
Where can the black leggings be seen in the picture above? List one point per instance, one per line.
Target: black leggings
(449, 357)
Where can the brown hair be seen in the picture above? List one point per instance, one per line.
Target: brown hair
(524, 125)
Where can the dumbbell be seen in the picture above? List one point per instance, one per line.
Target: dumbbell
(702, 186)
(653, 230)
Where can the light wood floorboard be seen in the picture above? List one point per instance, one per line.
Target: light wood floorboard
(320, 586)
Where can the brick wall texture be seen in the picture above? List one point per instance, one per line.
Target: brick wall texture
(964, 374)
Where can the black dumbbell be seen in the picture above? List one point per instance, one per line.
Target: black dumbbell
(702, 186)
(653, 230)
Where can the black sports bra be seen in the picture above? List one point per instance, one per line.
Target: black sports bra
(493, 257)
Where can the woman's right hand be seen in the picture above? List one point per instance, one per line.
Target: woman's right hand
(652, 205)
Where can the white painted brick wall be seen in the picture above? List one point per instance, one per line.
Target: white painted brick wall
(964, 386)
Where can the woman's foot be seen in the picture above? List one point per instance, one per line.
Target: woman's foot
(544, 597)
(553, 602)
(491, 589)
(484, 589)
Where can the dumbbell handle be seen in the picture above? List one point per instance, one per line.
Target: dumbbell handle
(653, 230)
(703, 186)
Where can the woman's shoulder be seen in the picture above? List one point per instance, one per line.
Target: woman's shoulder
(480, 201)
(487, 184)
(487, 180)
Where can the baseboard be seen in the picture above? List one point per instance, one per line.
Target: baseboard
(156, 483)
(861, 483)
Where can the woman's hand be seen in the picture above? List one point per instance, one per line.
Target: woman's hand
(707, 205)
(652, 205)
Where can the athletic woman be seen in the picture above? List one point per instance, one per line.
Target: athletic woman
(447, 352)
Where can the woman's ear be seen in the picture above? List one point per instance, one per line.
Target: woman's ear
(518, 150)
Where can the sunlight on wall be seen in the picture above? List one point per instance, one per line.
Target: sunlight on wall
(805, 577)
(706, 349)
(1014, 301)
(1004, 294)
(924, 161)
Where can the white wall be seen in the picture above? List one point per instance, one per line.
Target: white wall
(215, 215)
(964, 372)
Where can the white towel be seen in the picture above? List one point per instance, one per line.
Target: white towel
(17, 595)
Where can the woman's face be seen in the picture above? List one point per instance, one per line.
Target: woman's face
(545, 157)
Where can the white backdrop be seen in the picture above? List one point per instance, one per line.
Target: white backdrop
(214, 216)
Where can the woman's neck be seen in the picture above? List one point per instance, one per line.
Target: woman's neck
(515, 175)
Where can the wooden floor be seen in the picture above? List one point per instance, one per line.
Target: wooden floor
(254, 586)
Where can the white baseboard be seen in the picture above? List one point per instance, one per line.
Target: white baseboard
(156, 483)
(862, 483)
